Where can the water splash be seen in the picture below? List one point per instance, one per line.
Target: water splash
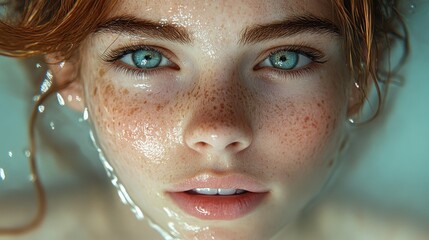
(2, 174)
(122, 192)
(47, 82)
(60, 99)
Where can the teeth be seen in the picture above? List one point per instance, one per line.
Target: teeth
(222, 191)
(218, 191)
(205, 191)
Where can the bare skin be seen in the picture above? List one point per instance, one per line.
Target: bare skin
(217, 107)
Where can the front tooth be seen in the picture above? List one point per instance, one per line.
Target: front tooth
(206, 191)
(225, 191)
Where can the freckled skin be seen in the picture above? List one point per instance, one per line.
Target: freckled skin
(159, 134)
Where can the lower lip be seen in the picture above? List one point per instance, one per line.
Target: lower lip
(217, 207)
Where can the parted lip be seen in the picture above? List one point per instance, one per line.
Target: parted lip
(229, 181)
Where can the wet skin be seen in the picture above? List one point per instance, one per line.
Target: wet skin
(217, 109)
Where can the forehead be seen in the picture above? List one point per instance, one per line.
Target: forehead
(222, 13)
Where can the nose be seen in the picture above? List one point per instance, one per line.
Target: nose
(219, 140)
(219, 126)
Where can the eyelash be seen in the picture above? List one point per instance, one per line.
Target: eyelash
(114, 56)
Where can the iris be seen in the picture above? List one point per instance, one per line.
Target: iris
(146, 58)
(283, 59)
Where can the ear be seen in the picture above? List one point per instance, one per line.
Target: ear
(65, 73)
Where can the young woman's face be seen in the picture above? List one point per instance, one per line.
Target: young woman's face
(243, 98)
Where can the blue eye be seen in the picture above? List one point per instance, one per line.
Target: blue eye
(145, 59)
(285, 60)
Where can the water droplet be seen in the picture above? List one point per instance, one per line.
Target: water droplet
(31, 178)
(36, 98)
(60, 99)
(47, 82)
(38, 65)
(411, 7)
(41, 108)
(27, 153)
(85, 114)
(52, 124)
(69, 98)
(2, 174)
(62, 64)
(10, 153)
(357, 85)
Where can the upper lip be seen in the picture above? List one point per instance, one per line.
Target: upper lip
(230, 181)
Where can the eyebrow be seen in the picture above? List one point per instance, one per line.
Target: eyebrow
(287, 28)
(134, 26)
(252, 34)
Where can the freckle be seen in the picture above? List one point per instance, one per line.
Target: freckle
(94, 92)
(214, 108)
(158, 107)
(125, 92)
(132, 111)
(306, 119)
(108, 90)
(101, 72)
(145, 101)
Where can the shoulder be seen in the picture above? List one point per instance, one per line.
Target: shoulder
(79, 212)
(340, 220)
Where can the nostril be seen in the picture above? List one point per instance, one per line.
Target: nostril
(234, 145)
(231, 141)
(201, 145)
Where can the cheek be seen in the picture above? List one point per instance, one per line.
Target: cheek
(299, 135)
(130, 126)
